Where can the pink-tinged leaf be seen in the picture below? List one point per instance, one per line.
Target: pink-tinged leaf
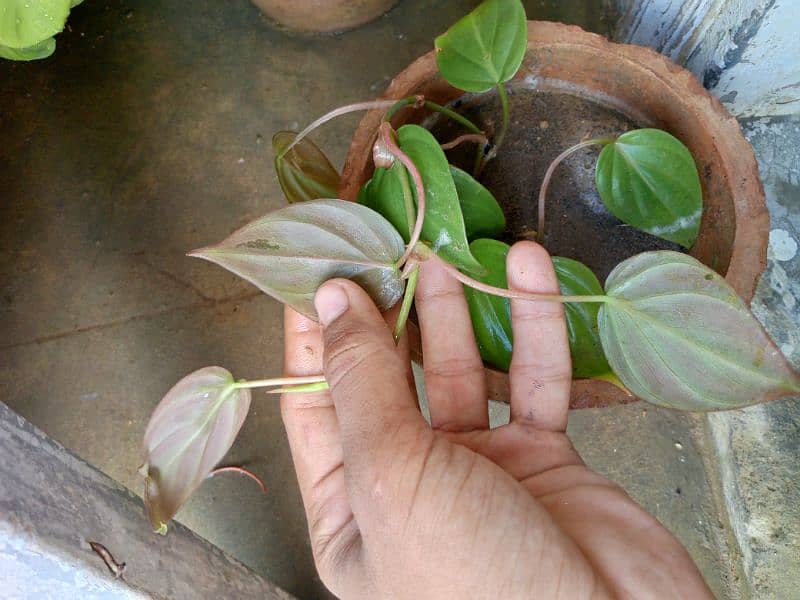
(304, 172)
(292, 251)
(677, 335)
(190, 431)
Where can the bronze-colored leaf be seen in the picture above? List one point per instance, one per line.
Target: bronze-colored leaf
(190, 431)
(292, 251)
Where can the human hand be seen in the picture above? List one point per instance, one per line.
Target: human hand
(400, 509)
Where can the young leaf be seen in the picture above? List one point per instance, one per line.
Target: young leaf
(384, 194)
(41, 50)
(305, 173)
(491, 315)
(484, 48)
(290, 252)
(444, 225)
(677, 335)
(648, 179)
(25, 23)
(189, 432)
(483, 216)
(576, 279)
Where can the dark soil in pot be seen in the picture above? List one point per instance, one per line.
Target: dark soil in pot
(543, 124)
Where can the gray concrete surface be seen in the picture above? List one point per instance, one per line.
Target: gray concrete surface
(54, 506)
(147, 134)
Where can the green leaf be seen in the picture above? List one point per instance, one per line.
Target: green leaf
(576, 279)
(384, 194)
(443, 227)
(484, 48)
(491, 315)
(290, 252)
(648, 179)
(677, 335)
(189, 432)
(483, 216)
(26, 23)
(305, 173)
(41, 50)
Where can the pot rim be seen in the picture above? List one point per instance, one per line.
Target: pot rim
(751, 228)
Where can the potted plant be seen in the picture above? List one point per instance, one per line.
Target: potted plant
(666, 327)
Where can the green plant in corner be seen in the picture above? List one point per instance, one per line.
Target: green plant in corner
(668, 328)
(27, 27)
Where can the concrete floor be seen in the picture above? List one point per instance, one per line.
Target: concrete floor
(146, 135)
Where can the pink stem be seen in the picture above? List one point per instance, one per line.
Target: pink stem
(386, 135)
(428, 254)
(336, 112)
(549, 174)
(467, 137)
(241, 471)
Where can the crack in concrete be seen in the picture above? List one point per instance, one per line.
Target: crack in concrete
(205, 303)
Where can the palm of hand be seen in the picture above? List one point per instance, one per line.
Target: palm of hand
(400, 509)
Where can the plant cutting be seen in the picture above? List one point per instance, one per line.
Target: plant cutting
(669, 329)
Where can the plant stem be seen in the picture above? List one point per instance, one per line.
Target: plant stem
(241, 471)
(336, 112)
(549, 174)
(424, 253)
(308, 388)
(467, 137)
(408, 200)
(385, 133)
(419, 101)
(501, 92)
(279, 381)
(408, 300)
(481, 159)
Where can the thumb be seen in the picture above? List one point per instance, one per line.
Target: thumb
(377, 412)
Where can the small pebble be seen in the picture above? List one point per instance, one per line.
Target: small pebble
(678, 446)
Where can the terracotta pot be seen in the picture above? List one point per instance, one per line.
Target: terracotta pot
(323, 16)
(648, 88)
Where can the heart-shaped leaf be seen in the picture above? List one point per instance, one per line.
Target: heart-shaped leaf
(290, 252)
(41, 50)
(304, 172)
(647, 178)
(576, 279)
(677, 335)
(484, 48)
(491, 315)
(443, 227)
(384, 194)
(483, 217)
(26, 23)
(190, 431)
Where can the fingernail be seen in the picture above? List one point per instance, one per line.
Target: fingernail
(330, 301)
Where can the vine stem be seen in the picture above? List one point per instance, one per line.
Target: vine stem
(408, 300)
(336, 112)
(385, 133)
(241, 471)
(422, 252)
(467, 137)
(549, 174)
(420, 102)
(279, 381)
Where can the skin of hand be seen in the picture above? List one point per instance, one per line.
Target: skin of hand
(398, 508)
